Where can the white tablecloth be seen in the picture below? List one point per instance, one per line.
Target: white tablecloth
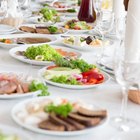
(107, 96)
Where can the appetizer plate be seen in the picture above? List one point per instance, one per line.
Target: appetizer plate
(28, 35)
(86, 47)
(19, 95)
(15, 96)
(8, 130)
(13, 53)
(77, 31)
(32, 125)
(42, 71)
(34, 20)
(6, 29)
(43, 25)
(131, 135)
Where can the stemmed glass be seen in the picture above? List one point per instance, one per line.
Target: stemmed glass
(124, 73)
(98, 8)
(24, 6)
(104, 26)
(3, 9)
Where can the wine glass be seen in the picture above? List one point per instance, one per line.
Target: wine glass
(104, 26)
(3, 9)
(98, 7)
(125, 76)
(24, 6)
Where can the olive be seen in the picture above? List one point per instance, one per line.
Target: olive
(89, 39)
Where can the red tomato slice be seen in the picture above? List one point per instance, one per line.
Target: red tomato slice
(90, 75)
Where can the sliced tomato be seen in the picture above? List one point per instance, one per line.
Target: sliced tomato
(93, 76)
(77, 28)
(87, 73)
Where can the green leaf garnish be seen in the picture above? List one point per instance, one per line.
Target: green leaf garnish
(62, 109)
(34, 86)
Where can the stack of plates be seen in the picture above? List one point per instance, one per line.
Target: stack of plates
(6, 29)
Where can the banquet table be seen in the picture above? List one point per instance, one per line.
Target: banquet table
(106, 96)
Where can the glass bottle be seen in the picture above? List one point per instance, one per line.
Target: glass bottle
(87, 12)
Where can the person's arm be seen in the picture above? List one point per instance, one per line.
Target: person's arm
(126, 4)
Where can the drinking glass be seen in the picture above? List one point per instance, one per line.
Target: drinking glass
(24, 6)
(98, 8)
(104, 26)
(3, 9)
(125, 76)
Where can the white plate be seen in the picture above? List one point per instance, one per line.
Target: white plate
(6, 28)
(34, 20)
(16, 96)
(28, 35)
(9, 130)
(13, 51)
(19, 95)
(77, 31)
(10, 32)
(42, 71)
(21, 106)
(87, 47)
(34, 25)
(131, 135)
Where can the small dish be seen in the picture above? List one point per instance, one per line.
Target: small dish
(33, 38)
(19, 115)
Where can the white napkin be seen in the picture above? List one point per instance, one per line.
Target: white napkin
(118, 9)
(132, 36)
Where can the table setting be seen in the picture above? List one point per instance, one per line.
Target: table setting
(69, 70)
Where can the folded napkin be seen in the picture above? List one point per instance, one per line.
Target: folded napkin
(132, 36)
(118, 9)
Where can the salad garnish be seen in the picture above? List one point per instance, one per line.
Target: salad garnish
(77, 25)
(61, 109)
(49, 15)
(35, 85)
(48, 53)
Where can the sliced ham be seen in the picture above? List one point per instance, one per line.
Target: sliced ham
(8, 88)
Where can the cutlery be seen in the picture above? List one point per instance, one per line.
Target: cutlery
(104, 66)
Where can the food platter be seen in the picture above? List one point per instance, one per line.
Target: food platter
(42, 29)
(76, 87)
(6, 29)
(33, 38)
(14, 53)
(78, 26)
(16, 86)
(34, 20)
(22, 108)
(83, 46)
